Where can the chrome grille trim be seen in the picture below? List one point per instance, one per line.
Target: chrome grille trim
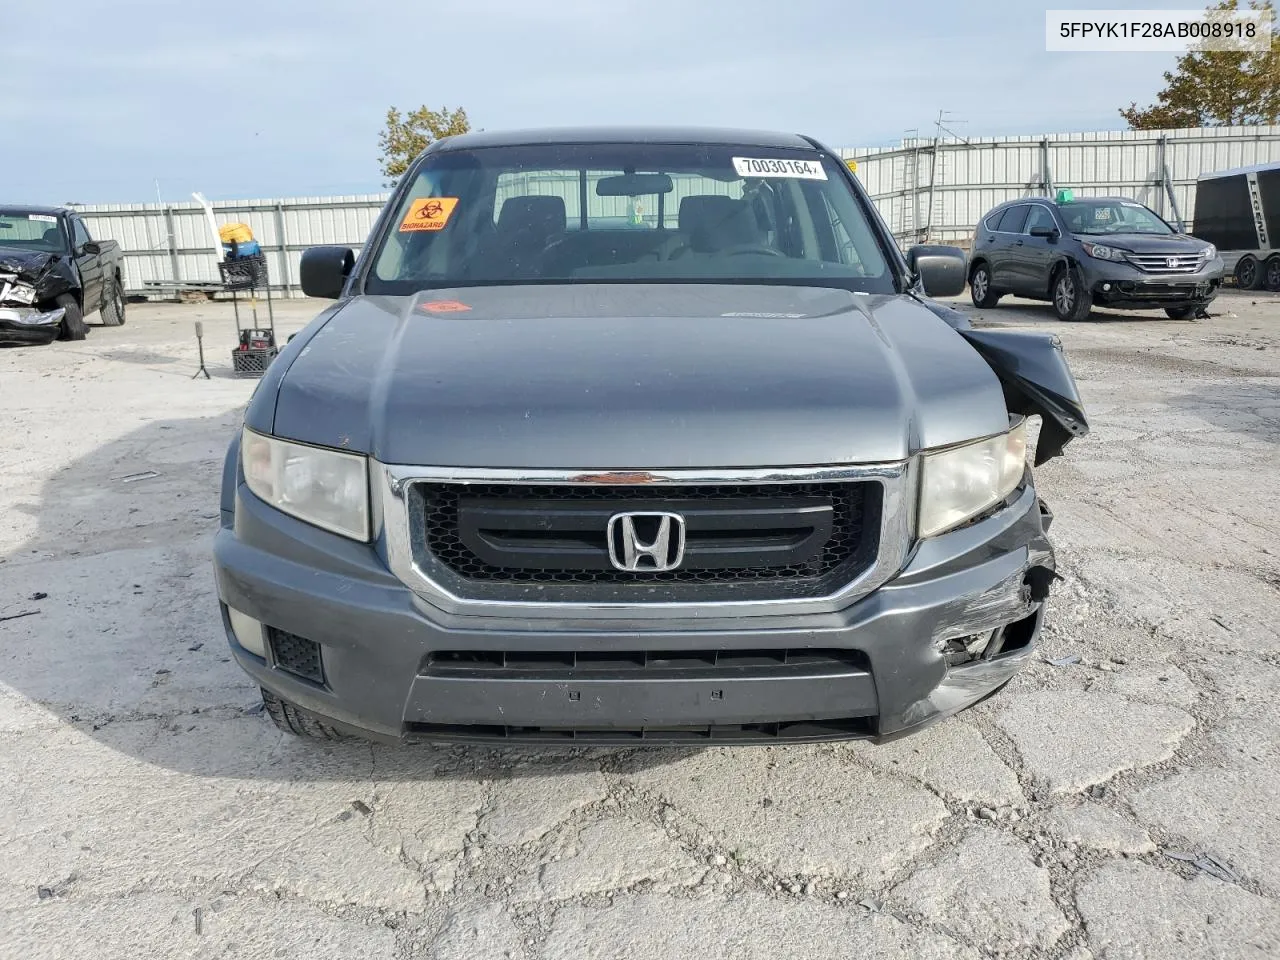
(1159, 262)
(391, 482)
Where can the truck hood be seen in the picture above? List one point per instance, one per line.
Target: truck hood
(632, 376)
(1146, 242)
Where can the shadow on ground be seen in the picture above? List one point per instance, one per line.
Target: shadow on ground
(122, 640)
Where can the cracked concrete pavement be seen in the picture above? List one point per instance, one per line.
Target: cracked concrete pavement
(1122, 805)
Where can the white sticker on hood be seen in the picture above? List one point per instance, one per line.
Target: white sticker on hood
(42, 218)
(775, 167)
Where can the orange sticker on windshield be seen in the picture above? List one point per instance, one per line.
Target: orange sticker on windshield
(428, 213)
(444, 306)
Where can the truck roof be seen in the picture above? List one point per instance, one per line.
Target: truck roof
(23, 208)
(1236, 171)
(621, 134)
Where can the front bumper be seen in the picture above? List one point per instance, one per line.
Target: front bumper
(390, 670)
(29, 324)
(1123, 285)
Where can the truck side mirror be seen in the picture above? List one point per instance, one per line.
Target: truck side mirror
(324, 271)
(941, 269)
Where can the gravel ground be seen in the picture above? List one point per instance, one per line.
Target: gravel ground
(1118, 800)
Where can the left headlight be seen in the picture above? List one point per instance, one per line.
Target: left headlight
(961, 482)
(1209, 252)
(328, 488)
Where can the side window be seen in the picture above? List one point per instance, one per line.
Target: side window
(79, 233)
(1013, 219)
(1040, 217)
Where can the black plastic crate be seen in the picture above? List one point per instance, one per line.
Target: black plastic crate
(244, 273)
(252, 362)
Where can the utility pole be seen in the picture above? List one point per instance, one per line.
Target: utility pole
(938, 129)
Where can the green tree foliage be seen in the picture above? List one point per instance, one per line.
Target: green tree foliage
(404, 137)
(1216, 88)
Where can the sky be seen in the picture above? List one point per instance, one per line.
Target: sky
(103, 98)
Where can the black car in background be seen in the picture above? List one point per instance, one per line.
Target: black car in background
(53, 274)
(1078, 253)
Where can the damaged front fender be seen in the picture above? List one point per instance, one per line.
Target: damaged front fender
(1037, 382)
(48, 273)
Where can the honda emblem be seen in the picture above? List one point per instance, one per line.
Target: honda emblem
(646, 542)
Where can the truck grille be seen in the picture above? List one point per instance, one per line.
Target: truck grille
(549, 543)
(1167, 263)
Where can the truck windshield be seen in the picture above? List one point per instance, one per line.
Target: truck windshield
(31, 231)
(1111, 216)
(593, 213)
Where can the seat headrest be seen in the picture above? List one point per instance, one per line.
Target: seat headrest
(701, 208)
(714, 222)
(537, 214)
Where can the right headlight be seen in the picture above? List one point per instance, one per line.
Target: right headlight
(327, 488)
(1102, 252)
(961, 482)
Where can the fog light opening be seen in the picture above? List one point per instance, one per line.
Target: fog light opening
(296, 655)
(248, 632)
(1017, 635)
(962, 650)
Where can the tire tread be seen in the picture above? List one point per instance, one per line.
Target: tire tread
(291, 720)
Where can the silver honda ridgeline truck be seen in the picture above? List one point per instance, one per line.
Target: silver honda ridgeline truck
(618, 436)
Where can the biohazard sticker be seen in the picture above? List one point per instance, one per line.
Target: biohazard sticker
(428, 213)
(795, 169)
(444, 306)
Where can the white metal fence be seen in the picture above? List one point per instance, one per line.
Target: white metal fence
(926, 189)
(938, 189)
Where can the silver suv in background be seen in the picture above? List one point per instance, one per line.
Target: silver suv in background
(1094, 251)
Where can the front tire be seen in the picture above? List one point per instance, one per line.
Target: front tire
(1248, 273)
(1181, 313)
(980, 287)
(1071, 301)
(293, 721)
(112, 311)
(73, 327)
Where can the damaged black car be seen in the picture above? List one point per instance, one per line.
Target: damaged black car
(52, 274)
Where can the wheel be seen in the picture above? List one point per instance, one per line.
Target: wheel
(1181, 313)
(1071, 302)
(73, 327)
(1271, 273)
(292, 720)
(113, 304)
(1248, 273)
(980, 287)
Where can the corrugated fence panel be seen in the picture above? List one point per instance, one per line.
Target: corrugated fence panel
(172, 244)
(974, 175)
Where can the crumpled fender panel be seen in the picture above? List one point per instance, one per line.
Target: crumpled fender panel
(49, 273)
(1037, 382)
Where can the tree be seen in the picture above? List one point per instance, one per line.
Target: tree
(403, 138)
(1216, 88)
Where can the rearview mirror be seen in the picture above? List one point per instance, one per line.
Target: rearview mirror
(941, 269)
(324, 271)
(1049, 233)
(90, 247)
(634, 185)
